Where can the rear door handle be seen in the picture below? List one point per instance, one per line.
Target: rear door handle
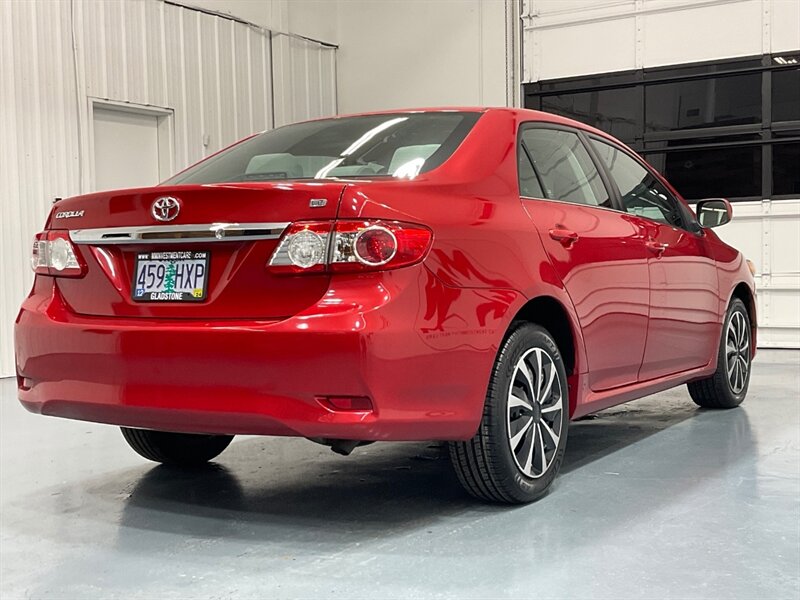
(656, 247)
(565, 236)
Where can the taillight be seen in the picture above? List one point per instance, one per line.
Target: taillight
(39, 254)
(303, 248)
(347, 246)
(377, 245)
(54, 254)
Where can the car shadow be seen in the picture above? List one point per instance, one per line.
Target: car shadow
(385, 488)
(298, 491)
(598, 435)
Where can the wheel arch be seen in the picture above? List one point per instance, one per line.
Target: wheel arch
(744, 292)
(551, 314)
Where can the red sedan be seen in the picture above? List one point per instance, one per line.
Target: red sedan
(479, 276)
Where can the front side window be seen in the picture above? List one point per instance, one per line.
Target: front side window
(564, 167)
(641, 193)
(400, 145)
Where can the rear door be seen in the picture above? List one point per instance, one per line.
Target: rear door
(597, 251)
(683, 328)
(215, 240)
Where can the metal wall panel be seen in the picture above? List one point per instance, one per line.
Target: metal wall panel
(305, 79)
(215, 74)
(39, 141)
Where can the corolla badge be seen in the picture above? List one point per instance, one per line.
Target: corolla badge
(69, 214)
(165, 208)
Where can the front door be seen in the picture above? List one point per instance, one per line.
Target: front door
(683, 329)
(598, 252)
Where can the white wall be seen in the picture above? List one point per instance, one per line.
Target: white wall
(213, 75)
(315, 19)
(566, 38)
(414, 53)
(270, 14)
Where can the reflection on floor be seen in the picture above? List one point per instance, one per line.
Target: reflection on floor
(656, 499)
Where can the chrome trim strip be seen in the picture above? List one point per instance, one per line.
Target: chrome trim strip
(178, 234)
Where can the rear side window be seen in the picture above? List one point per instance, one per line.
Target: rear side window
(563, 165)
(529, 185)
(400, 145)
(641, 193)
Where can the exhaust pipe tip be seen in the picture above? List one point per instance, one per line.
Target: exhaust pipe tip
(343, 447)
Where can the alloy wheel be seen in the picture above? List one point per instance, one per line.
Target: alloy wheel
(534, 419)
(737, 352)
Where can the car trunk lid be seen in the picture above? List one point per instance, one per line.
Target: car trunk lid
(236, 226)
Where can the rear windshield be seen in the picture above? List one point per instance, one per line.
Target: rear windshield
(400, 145)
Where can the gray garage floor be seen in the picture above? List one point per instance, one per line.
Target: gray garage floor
(656, 499)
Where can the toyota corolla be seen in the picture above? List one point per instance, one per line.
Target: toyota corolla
(475, 276)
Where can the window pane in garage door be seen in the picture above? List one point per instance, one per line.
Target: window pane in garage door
(730, 172)
(786, 95)
(786, 169)
(614, 111)
(712, 102)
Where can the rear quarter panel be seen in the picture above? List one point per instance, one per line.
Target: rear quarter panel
(487, 259)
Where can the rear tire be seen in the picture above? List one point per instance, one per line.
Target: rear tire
(519, 446)
(727, 387)
(180, 449)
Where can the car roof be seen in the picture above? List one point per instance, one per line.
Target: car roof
(522, 114)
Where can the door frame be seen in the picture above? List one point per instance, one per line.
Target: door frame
(165, 121)
(605, 177)
(592, 385)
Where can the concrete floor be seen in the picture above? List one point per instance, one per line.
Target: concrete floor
(656, 499)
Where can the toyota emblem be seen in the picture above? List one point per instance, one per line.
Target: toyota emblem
(165, 208)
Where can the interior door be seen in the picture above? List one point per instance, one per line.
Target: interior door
(598, 252)
(125, 149)
(683, 328)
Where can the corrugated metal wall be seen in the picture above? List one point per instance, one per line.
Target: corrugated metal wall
(305, 79)
(215, 74)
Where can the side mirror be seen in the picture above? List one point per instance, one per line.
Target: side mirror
(714, 212)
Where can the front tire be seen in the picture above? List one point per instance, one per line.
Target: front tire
(180, 449)
(727, 387)
(519, 446)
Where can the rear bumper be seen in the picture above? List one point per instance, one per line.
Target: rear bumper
(369, 337)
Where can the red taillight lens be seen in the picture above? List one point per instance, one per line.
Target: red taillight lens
(350, 246)
(378, 245)
(375, 246)
(54, 254)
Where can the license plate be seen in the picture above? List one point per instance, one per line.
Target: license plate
(170, 276)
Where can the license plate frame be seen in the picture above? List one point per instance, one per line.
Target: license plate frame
(172, 258)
